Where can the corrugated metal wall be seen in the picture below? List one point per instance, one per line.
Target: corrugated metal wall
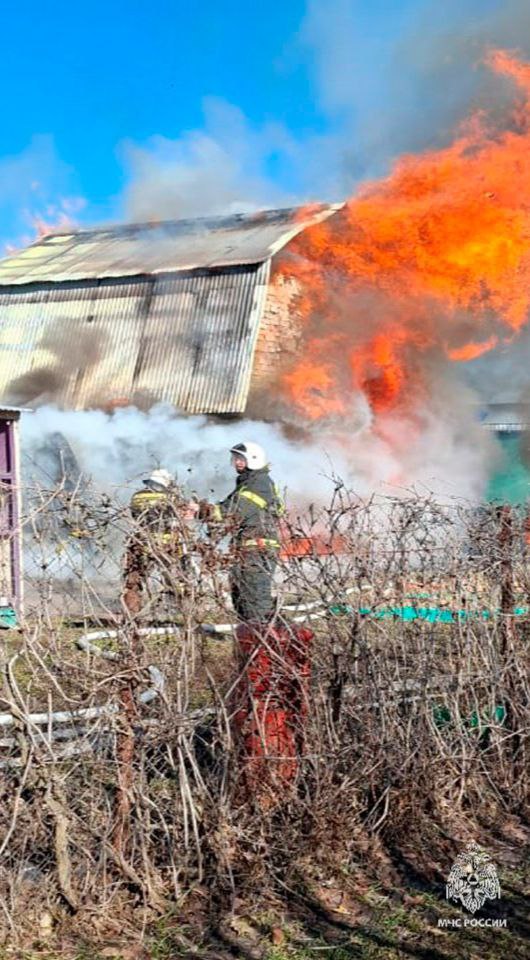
(187, 338)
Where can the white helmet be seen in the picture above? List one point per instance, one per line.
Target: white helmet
(253, 454)
(159, 480)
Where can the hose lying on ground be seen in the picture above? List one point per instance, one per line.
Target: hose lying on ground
(75, 724)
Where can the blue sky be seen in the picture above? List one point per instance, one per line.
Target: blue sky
(135, 109)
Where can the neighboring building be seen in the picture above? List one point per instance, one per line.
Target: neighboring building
(182, 311)
(510, 421)
(506, 417)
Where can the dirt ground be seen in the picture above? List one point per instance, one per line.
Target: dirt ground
(336, 918)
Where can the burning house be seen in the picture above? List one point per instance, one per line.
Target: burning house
(190, 312)
(185, 311)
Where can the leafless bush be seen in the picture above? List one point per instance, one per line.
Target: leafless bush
(415, 736)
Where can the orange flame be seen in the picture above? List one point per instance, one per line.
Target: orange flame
(315, 545)
(470, 351)
(57, 217)
(433, 261)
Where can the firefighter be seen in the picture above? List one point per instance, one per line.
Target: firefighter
(251, 512)
(158, 511)
(269, 697)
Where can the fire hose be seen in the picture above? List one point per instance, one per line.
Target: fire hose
(75, 724)
(314, 610)
(63, 725)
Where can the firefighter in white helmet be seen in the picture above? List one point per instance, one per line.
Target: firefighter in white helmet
(159, 537)
(251, 512)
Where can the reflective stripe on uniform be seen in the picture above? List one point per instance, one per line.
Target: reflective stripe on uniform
(216, 512)
(147, 496)
(254, 498)
(260, 542)
(280, 505)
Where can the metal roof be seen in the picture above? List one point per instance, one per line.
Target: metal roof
(12, 413)
(188, 339)
(164, 247)
(506, 417)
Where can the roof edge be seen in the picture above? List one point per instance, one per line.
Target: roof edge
(304, 224)
(134, 250)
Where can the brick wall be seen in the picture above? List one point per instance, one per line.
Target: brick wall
(278, 339)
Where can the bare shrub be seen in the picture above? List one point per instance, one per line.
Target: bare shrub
(120, 774)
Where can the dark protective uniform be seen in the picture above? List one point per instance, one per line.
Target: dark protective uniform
(159, 535)
(271, 692)
(252, 512)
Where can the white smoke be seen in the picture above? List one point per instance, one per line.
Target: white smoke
(36, 187)
(116, 450)
(413, 94)
(218, 170)
(232, 165)
(449, 454)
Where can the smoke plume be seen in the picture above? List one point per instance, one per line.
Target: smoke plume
(37, 189)
(220, 169)
(403, 80)
(453, 458)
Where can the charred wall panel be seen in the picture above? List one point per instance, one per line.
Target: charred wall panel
(200, 336)
(186, 338)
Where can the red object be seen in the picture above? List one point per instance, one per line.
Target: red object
(270, 700)
(316, 545)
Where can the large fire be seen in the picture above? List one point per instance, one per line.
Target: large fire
(432, 261)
